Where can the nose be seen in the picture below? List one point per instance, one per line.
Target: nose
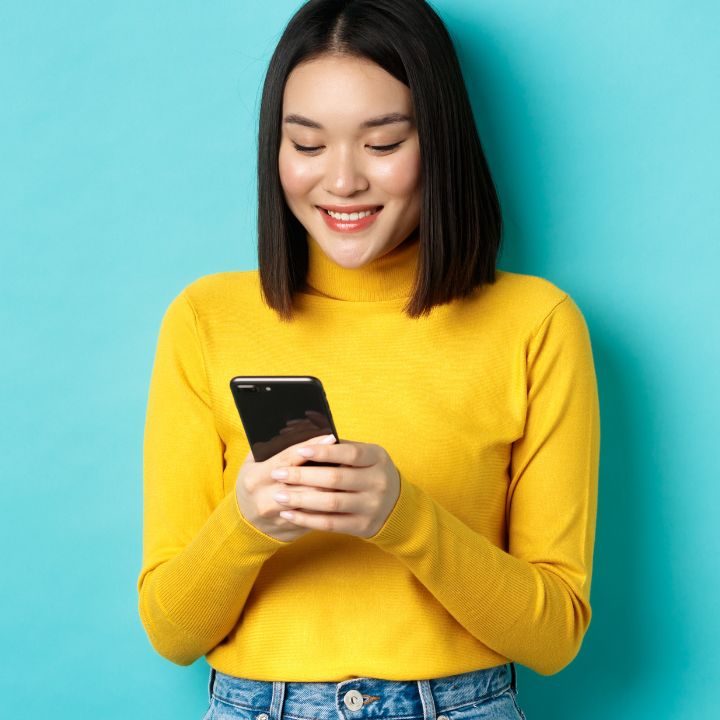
(343, 174)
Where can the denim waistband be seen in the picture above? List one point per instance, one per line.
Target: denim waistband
(419, 699)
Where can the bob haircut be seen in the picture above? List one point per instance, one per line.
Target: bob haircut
(460, 221)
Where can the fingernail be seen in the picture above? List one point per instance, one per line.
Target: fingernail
(329, 440)
(306, 452)
(280, 497)
(287, 515)
(278, 474)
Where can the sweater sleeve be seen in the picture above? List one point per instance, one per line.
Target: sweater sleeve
(200, 556)
(530, 604)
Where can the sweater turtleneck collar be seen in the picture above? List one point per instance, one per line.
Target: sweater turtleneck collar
(389, 277)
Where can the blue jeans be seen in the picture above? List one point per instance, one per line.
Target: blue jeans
(482, 694)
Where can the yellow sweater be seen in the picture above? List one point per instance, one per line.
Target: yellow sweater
(489, 410)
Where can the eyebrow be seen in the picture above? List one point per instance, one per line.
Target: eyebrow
(388, 119)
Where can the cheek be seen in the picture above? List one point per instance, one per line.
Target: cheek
(399, 175)
(297, 176)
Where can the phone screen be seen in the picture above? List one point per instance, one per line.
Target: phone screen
(278, 412)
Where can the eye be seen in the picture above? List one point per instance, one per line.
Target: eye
(385, 148)
(305, 149)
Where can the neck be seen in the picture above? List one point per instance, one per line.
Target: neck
(388, 277)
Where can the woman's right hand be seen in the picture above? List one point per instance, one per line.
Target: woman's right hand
(255, 488)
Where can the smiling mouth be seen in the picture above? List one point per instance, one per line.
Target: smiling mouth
(350, 217)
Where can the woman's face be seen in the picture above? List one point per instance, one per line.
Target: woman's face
(350, 146)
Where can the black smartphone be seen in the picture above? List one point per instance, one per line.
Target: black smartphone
(280, 411)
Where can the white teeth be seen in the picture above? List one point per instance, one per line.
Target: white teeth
(350, 216)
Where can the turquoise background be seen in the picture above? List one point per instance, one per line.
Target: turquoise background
(127, 147)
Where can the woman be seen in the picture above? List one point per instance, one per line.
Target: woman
(455, 538)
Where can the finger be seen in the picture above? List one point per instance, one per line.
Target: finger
(249, 458)
(342, 478)
(355, 454)
(313, 500)
(277, 444)
(333, 522)
(290, 456)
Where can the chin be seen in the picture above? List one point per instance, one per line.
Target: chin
(349, 262)
(349, 253)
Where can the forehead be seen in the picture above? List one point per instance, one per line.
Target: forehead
(344, 88)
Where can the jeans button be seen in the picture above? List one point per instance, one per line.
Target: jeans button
(442, 717)
(262, 716)
(353, 699)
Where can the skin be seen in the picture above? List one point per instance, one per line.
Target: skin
(347, 168)
(362, 150)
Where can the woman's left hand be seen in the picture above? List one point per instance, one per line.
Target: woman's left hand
(355, 498)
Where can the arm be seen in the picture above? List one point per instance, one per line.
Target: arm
(200, 556)
(530, 604)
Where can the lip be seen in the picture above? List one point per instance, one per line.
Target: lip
(350, 208)
(348, 226)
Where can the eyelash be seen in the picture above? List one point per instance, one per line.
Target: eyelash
(378, 148)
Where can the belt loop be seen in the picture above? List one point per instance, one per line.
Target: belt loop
(211, 683)
(513, 678)
(278, 697)
(426, 697)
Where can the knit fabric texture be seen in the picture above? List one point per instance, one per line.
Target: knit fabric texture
(488, 407)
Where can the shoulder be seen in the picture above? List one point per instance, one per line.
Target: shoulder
(551, 320)
(215, 291)
(522, 308)
(527, 293)
(531, 299)
(211, 298)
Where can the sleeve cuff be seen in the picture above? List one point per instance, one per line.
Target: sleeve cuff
(404, 522)
(250, 532)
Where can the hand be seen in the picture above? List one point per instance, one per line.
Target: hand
(366, 487)
(254, 489)
(296, 431)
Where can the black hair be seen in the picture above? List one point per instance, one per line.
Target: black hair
(460, 221)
